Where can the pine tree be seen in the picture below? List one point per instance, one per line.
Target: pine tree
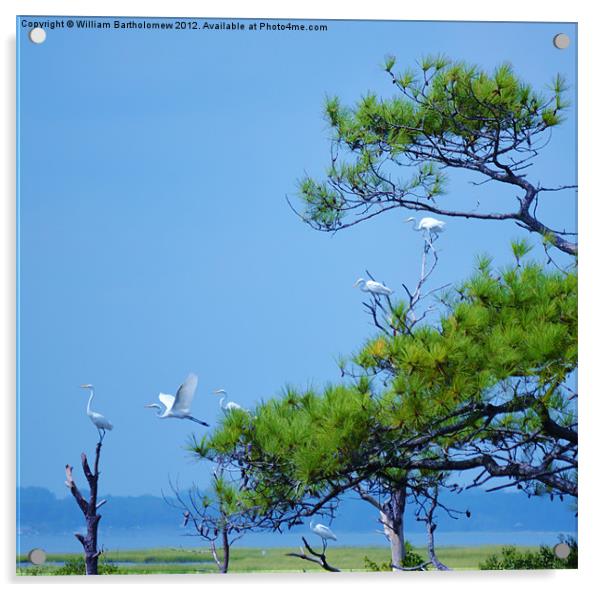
(485, 387)
(445, 116)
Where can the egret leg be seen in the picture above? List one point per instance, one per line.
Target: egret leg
(429, 242)
(430, 239)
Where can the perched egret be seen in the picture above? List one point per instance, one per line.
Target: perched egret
(100, 421)
(431, 225)
(322, 531)
(372, 287)
(179, 406)
(230, 405)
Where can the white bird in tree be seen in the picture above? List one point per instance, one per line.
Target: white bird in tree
(230, 405)
(430, 225)
(100, 421)
(372, 287)
(178, 406)
(322, 531)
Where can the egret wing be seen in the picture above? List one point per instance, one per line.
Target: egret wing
(100, 421)
(185, 394)
(167, 400)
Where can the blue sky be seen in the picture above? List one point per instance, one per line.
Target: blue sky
(155, 238)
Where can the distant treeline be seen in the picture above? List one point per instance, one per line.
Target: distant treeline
(40, 510)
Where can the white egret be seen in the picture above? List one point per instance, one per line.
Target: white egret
(372, 287)
(430, 225)
(322, 531)
(100, 421)
(178, 406)
(230, 405)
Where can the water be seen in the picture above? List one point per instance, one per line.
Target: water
(113, 539)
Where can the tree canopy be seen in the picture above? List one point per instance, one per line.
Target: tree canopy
(446, 115)
(487, 387)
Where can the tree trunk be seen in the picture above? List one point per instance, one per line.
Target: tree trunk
(89, 509)
(222, 564)
(226, 548)
(392, 519)
(90, 544)
(430, 533)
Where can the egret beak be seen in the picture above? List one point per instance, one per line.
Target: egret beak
(219, 392)
(357, 283)
(86, 386)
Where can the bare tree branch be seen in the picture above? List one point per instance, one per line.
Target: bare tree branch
(314, 557)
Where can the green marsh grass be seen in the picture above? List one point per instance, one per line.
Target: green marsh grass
(270, 559)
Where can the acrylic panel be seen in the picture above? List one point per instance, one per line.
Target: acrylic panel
(296, 295)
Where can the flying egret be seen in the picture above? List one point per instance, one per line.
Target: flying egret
(100, 421)
(230, 405)
(322, 531)
(431, 225)
(179, 406)
(372, 287)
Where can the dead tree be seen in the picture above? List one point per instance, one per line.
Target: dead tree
(314, 556)
(89, 509)
(428, 517)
